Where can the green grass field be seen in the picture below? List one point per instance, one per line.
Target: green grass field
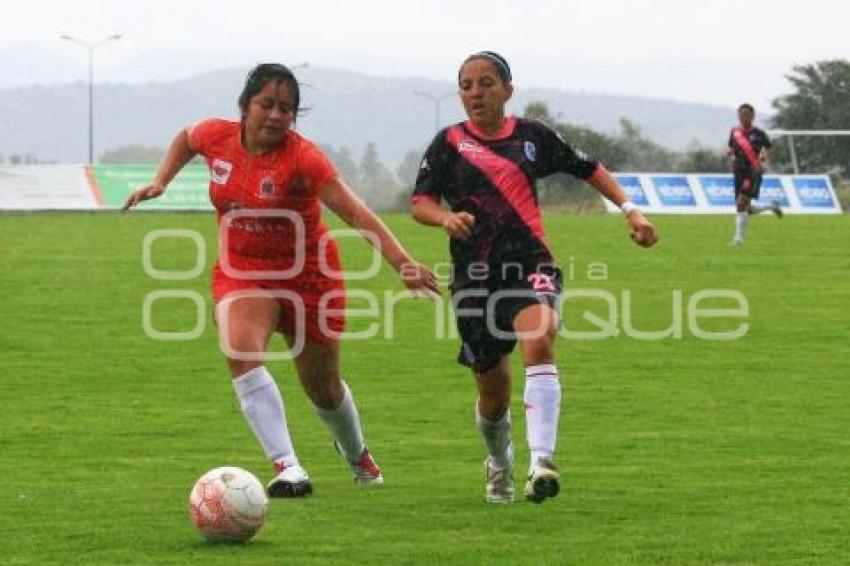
(674, 451)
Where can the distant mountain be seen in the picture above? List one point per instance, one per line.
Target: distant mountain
(25, 64)
(344, 108)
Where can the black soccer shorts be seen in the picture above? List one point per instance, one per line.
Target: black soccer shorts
(485, 309)
(747, 183)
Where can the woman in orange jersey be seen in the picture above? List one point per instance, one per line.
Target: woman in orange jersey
(278, 266)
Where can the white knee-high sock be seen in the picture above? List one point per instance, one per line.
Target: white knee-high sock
(740, 225)
(542, 408)
(497, 438)
(344, 423)
(262, 406)
(758, 208)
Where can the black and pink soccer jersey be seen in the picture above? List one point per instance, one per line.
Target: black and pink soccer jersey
(493, 178)
(747, 149)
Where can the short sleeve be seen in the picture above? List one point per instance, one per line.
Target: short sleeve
(432, 179)
(202, 134)
(558, 156)
(314, 166)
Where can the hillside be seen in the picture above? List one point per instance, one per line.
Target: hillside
(345, 108)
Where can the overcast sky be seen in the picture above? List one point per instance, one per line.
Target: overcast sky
(717, 51)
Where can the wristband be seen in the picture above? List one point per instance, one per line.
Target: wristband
(628, 207)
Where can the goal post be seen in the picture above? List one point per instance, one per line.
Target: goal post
(791, 134)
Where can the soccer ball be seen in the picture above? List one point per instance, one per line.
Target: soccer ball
(228, 504)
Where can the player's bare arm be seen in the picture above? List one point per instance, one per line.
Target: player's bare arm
(458, 225)
(641, 230)
(339, 197)
(179, 153)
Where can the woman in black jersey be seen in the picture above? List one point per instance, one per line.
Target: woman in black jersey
(505, 282)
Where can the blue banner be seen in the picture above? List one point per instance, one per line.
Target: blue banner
(631, 184)
(714, 193)
(718, 190)
(674, 191)
(813, 192)
(772, 190)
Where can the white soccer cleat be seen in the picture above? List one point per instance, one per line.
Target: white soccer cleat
(736, 243)
(366, 471)
(291, 481)
(500, 484)
(543, 481)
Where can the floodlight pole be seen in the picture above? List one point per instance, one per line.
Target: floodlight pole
(90, 47)
(436, 100)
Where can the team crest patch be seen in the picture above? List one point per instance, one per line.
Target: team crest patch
(220, 171)
(267, 187)
(531, 151)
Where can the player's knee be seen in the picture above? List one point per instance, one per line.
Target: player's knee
(539, 348)
(540, 351)
(242, 347)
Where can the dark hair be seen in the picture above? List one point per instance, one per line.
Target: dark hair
(747, 106)
(262, 74)
(498, 61)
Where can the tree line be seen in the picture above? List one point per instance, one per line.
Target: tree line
(820, 99)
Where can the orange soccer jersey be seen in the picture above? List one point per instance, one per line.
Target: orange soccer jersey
(283, 183)
(269, 215)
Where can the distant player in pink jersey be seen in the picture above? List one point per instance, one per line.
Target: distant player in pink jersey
(749, 147)
(278, 267)
(505, 282)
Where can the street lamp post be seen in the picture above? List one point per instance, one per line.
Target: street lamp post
(436, 100)
(90, 47)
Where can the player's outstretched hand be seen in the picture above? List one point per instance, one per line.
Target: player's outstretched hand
(459, 225)
(419, 278)
(143, 193)
(642, 232)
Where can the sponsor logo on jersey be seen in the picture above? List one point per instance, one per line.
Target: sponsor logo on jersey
(267, 187)
(424, 165)
(469, 146)
(530, 151)
(220, 171)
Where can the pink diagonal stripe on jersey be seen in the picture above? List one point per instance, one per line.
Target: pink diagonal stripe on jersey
(505, 175)
(742, 142)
